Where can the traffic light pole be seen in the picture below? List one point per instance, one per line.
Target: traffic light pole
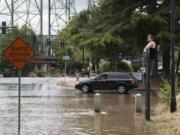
(3, 28)
(173, 42)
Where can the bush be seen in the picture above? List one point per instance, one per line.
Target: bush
(124, 67)
(105, 66)
(98, 71)
(8, 72)
(74, 67)
(136, 67)
(165, 90)
(52, 70)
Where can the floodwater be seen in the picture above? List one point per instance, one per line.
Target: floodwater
(48, 109)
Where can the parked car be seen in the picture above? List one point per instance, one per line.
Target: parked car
(122, 82)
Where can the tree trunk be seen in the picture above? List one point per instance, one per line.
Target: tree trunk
(166, 61)
(151, 6)
(116, 62)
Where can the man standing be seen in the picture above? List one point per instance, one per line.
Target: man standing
(151, 47)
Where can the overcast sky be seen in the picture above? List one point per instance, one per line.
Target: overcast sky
(80, 5)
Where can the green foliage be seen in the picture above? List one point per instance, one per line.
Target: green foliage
(52, 70)
(124, 67)
(105, 66)
(119, 26)
(74, 67)
(7, 72)
(136, 67)
(165, 90)
(24, 32)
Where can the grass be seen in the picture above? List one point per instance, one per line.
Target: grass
(163, 122)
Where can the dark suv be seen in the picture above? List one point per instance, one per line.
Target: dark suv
(122, 82)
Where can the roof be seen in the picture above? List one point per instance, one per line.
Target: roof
(116, 73)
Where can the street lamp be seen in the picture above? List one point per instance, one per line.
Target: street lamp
(173, 42)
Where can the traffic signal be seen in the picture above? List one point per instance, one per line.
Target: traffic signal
(3, 27)
(62, 43)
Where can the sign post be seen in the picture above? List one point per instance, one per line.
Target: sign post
(19, 102)
(66, 58)
(19, 53)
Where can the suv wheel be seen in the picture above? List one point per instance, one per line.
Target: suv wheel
(85, 88)
(121, 89)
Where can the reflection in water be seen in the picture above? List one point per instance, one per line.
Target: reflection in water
(70, 116)
(97, 124)
(139, 123)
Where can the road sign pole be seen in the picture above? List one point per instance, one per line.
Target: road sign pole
(65, 68)
(19, 53)
(19, 103)
(65, 58)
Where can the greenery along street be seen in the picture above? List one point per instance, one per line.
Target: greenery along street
(106, 34)
(119, 27)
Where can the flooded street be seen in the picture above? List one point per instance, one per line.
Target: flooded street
(49, 109)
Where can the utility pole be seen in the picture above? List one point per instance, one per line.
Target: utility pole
(41, 27)
(173, 42)
(49, 29)
(60, 12)
(41, 17)
(67, 10)
(49, 18)
(12, 13)
(91, 5)
(148, 89)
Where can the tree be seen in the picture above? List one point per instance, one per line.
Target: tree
(121, 26)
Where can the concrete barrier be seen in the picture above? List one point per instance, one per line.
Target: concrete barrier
(138, 103)
(97, 103)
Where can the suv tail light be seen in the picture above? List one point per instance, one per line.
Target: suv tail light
(131, 81)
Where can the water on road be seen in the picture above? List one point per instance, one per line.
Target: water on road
(48, 109)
